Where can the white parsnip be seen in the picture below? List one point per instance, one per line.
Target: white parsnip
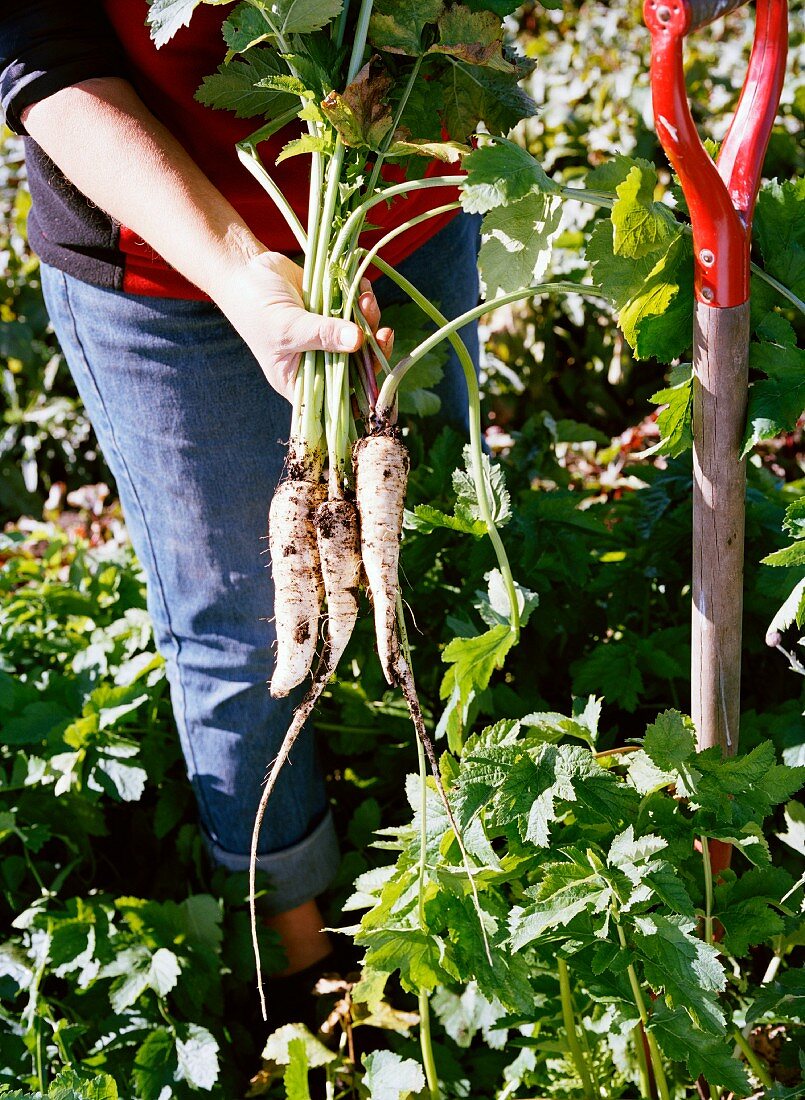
(338, 536)
(296, 570)
(381, 475)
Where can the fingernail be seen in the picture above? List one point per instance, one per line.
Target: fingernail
(347, 337)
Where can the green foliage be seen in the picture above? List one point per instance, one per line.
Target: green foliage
(141, 983)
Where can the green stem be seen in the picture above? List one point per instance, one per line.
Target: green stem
(781, 288)
(359, 41)
(425, 1039)
(758, 1068)
(41, 1069)
(569, 1019)
(319, 299)
(249, 158)
(366, 262)
(391, 384)
(654, 1050)
(476, 443)
(708, 891)
(355, 219)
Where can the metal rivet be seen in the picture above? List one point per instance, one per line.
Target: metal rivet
(707, 294)
(707, 257)
(663, 14)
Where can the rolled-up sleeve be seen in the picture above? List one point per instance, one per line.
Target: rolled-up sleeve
(47, 45)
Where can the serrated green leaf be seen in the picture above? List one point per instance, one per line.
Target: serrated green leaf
(236, 86)
(670, 741)
(683, 966)
(419, 957)
(279, 1043)
(473, 660)
(658, 320)
(783, 999)
(611, 670)
(779, 229)
(500, 174)
(566, 891)
(704, 1055)
(166, 17)
(776, 402)
(362, 114)
(245, 27)
(69, 1084)
(302, 16)
(401, 28)
(618, 277)
(472, 36)
(493, 605)
(390, 1077)
(794, 522)
(496, 491)
(426, 518)
(155, 1064)
(793, 555)
(612, 173)
(138, 969)
(675, 421)
(295, 1077)
(307, 143)
(516, 248)
(641, 226)
(469, 94)
(197, 1057)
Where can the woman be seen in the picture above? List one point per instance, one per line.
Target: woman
(169, 283)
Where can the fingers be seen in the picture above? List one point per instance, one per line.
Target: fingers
(303, 331)
(368, 305)
(385, 340)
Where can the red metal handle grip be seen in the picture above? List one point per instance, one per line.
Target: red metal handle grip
(721, 198)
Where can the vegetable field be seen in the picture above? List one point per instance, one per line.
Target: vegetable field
(558, 888)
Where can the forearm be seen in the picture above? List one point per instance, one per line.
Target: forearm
(109, 145)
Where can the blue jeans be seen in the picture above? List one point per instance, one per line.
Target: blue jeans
(191, 431)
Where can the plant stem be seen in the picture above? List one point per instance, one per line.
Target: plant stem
(569, 1019)
(708, 891)
(781, 288)
(355, 219)
(359, 41)
(354, 287)
(476, 444)
(425, 1040)
(558, 287)
(654, 1050)
(249, 158)
(758, 1068)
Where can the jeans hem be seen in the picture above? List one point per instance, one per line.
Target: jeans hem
(298, 873)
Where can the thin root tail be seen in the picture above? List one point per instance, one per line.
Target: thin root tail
(301, 715)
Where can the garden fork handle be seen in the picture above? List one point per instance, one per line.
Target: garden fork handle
(721, 198)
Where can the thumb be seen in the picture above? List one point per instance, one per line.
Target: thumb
(310, 332)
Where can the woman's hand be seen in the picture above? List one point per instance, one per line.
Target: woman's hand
(263, 302)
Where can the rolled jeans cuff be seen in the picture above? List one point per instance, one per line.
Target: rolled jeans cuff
(297, 874)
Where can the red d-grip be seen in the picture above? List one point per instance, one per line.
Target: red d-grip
(721, 195)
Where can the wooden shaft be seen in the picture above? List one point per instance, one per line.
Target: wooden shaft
(720, 379)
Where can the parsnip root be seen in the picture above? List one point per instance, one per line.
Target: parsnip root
(338, 537)
(296, 570)
(381, 475)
